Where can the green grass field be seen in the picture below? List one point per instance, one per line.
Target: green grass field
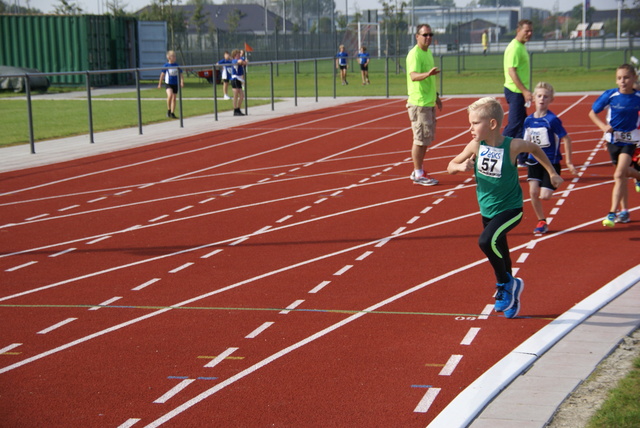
(461, 75)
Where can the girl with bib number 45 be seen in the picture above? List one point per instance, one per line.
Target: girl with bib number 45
(492, 157)
(622, 136)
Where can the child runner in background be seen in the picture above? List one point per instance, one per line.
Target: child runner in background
(172, 76)
(493, 159)
(544, 129)
(227, 71)
(237, 81)
(341, 64)
(363, 57)
(622, 136)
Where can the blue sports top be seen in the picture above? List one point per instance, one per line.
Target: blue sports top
(237, 70)
(171, 74)
(622, 115)
(342, 57)
(546, 131)
(227, 69)
(364, 57)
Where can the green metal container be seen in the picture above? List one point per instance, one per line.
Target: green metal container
(73, 43)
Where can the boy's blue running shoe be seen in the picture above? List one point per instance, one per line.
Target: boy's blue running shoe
(515, 308)
(623, 217)
(638, 186)
(504, 295)
(609, 220)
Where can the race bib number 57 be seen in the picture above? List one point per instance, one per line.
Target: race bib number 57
(490, 161)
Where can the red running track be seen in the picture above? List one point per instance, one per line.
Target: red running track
(285, 273)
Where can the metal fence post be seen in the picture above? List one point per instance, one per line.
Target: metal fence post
(139, 101)
(295, 83)
(27, 86)
(88, 81)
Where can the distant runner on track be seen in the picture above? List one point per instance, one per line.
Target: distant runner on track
(493, 159)
(622, 135)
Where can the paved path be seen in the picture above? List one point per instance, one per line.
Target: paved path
(528, 384)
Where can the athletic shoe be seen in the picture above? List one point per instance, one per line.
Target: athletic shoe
(638, 186)
(226, 97)
(513, 311)
(609, 220)
(424, 180)
(505, 295)
(623, 217)
(541, 227)
(237, 112)
(173, 116)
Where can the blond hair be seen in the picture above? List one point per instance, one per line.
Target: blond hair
(488, 108)
(547, 86)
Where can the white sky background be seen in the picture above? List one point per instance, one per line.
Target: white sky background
(98, 6)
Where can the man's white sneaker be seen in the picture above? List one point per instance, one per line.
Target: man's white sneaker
(423, 180)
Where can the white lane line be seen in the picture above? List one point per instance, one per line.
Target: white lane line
(217, 360)
(129, 423)
(486, 311)
(68, 250)
(258, 330)
(179, 268)
(321, 200)
(437, 201)
(144, 186)
(102, 198)
(399, 230)
(188, 207)
(413, 219)
(102, 238)
(238, 241)
(471, 334)
(105, 303)
(9, 348)
(204, 201)
(153, 220)
(426, 210)
(364, 255)
(283, 219)
(291, 307)
(522, 258)
(58, 325)
(303, 209)
(343, 270)
(262, 230)
(36, 217)
(450, 365)
(382, 242)
(68, 208)
(173, 391)
(213, 253)
(124, 192)
(230, 192)
(24, 265)
(428, 399)
(319, 287)
(141, 286)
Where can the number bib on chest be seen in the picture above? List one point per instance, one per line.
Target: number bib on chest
(490, 161)
(539, 136)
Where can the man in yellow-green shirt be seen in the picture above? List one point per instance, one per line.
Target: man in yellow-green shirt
(516, 79)
(423, 98)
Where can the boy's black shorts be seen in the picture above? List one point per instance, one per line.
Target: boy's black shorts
(174, 88)
(538, 173)
(615, 150)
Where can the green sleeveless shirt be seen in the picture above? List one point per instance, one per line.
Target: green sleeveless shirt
(498, 187)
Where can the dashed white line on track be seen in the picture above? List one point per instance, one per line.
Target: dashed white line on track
(58, 325)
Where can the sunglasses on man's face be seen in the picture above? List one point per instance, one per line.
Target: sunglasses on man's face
(427, 35)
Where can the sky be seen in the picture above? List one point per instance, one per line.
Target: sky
(98, 6)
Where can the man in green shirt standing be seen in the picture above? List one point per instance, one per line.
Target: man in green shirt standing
(516, 79)
(421, 105)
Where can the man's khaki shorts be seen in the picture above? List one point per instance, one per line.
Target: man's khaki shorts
(423, 124)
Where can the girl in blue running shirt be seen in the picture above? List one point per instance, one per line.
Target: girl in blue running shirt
(363, 58)
(622, 136)
(544, 129)
(341, 64)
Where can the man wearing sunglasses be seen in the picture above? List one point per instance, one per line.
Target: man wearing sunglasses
(422, 102)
